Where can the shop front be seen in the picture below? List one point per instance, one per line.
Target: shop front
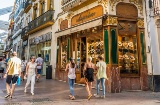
(41, 45)
(119, 39)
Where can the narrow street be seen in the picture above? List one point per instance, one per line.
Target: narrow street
(52, 92)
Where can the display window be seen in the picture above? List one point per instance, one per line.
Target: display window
(95, 48)
(64, 47)
(128, 55)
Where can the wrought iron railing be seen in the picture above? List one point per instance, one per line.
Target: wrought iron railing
(28, 2)
(68, 4)
(24, 31)
(64, 2)
(156, 4)
(46, 17)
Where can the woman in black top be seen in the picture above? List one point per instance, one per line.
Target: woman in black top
(89, 74)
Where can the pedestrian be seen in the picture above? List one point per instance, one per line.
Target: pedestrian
(39, 62)
(71, 69)
(23, 68)
(89, 75)
(101, 76)
(13, 71)
(2, 67)
(31, 70)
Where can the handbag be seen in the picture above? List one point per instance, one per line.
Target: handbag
(83, 80)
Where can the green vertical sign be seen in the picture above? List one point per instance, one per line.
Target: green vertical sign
(114, 46)
(106, 46)
(143, 48)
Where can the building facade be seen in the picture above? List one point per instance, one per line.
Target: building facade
(107, 28)
(37, 32)
(153, 32)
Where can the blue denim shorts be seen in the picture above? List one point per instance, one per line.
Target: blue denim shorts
(39, 71)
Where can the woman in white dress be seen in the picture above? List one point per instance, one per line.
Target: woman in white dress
(31, 71)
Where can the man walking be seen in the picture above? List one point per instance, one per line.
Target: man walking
(39, 62)
(101, 76)
(12, 72)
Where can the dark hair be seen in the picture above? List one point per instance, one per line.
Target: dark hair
(39, 55)
(100, 57)
(72, 62)
(23, 58)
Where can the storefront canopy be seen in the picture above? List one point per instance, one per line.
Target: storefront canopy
(80, 27)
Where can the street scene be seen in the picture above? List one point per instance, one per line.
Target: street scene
(53, 92)
(80, 52)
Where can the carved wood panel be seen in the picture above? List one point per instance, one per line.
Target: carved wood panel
(126, 10)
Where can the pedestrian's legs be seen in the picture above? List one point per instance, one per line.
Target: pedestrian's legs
(8, 88)
(32, 84)
(97, 85)
(28, 82)
(70, 81)
(12, 89)
(103, 86)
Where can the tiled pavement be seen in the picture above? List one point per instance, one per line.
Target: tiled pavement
(52, 92)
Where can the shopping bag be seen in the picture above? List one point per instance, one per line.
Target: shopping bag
(83, 80)
(19, 81)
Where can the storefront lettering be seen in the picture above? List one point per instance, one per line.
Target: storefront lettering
(87, 15)
(82, 18)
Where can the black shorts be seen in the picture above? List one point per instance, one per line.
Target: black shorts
(12, 79)
(1, 71)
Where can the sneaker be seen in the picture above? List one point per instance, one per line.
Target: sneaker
(96, 95)
(103, 96)
(32, 94)
(7, 95)
(25, 90)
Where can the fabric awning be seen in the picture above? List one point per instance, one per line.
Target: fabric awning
(80, 27)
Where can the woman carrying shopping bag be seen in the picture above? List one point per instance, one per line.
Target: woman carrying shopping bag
(89, 75)
(71, 68)
(31, 71)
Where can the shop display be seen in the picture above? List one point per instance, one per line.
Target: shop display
(95, 48)
(128, 55)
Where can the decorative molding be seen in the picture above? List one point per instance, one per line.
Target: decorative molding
(139, 4)
(111, 21)
(113, 2)
(140, 23)
(70, 15)
(103, 2)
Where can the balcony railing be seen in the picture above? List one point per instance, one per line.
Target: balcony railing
(24, 31)
(44, 18)
(69, 4)
(27, 5)
(156, 7)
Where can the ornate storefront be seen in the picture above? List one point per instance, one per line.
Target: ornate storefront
(119, 38)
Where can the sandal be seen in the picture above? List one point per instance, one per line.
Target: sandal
(10, 97)
(72, 98)
(89, 96)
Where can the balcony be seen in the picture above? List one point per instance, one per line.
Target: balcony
(17, 31)
(27, 6)
(24, 31)
(41, 22)
(156, 4)
(69, 4)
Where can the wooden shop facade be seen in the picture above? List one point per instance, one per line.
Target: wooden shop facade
(119, 38)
